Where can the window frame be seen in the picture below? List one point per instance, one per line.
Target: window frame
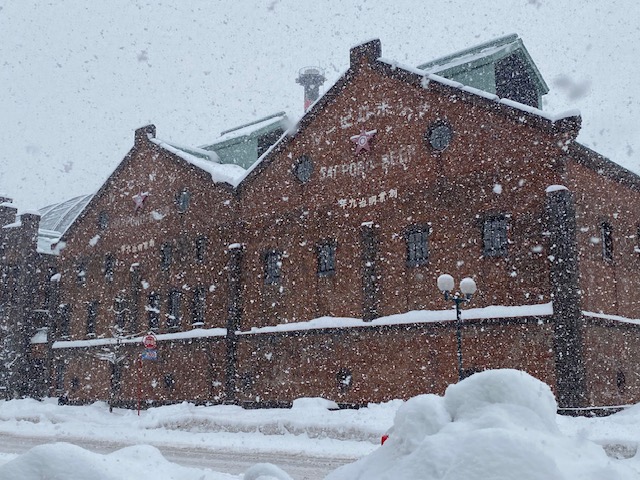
(166, 256)
(153, 309)
(326, 258)
(417, 245)
(495, 236)
(92, 317)
(174, 305)
(272, 262)
(606, 238)
(198, 306)
(201, 249)
(183, 200)
(109, 267)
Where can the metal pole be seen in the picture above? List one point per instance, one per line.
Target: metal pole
(459, 336)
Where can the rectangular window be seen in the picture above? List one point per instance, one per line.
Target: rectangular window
(60, 370)
(417, 238)
(109, 265)
(201, 248)
(272, 267)
(81, 273)
(166, 254)
(153, 308)
(65, 317)
(494, 237)
(606, 234)
(92, 315)
(327, 258)
(173, 310)
(120, 309)
(198, 306)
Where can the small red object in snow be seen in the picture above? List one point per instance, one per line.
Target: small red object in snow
(384, 438)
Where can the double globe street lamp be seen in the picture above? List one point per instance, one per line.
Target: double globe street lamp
(468, 287)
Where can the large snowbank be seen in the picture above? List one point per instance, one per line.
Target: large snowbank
(63, 460)
(495, 425)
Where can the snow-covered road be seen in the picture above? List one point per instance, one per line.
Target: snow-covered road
(300, 467)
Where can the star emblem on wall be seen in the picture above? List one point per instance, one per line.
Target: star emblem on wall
(362, 140)
(139, 199)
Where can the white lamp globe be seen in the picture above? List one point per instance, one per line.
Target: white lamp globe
(446, 283)
(468, 286)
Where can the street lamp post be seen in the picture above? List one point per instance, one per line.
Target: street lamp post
(468, 287)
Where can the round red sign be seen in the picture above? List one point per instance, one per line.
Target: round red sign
(149, 341)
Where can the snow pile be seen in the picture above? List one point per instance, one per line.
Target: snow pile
(498, 424)
(63, 460)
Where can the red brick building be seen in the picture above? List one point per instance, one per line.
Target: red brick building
(314, 272)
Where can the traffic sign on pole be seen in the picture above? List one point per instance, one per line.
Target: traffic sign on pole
(149, 341)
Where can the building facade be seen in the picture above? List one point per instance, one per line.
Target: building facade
(313, 272)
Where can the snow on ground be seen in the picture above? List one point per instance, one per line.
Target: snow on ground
(497, 424)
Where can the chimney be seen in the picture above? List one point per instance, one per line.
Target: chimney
(310, 78)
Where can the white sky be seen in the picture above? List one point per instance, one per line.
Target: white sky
(77, 78)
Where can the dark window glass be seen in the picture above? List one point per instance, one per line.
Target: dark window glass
(81, 273)
(109, 264)
(303, 169)
(621, 380)
(173, 310)
(183, 199)
(120, 309)
(201, 248)
(327, 258)
(198, 306)
(153, 308)
(273, 268)
(417, 245)
(166, 254)
(169, 381)
(344, 379)
(494, 237)
(607, 241)
(103, 221)
(60, 368)
(65, 317)
(439, 136)
(92, 315)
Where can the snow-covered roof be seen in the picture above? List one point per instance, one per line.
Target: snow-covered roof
(248, 128)
(487, 52)
(54, 221)
(220, 172)
(58, 217)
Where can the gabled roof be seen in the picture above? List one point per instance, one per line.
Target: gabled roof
(371, 53)
(460, 63)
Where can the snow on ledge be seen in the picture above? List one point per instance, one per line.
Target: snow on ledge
(555, 188)
(617, 318)
(195, 333)
(416, 316)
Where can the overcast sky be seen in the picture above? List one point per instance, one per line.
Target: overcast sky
(77, 77)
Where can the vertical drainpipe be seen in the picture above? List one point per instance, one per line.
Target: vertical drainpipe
(567, 310)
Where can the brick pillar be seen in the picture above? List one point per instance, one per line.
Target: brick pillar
(370, 284)
(234, 318)
(567, 311)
